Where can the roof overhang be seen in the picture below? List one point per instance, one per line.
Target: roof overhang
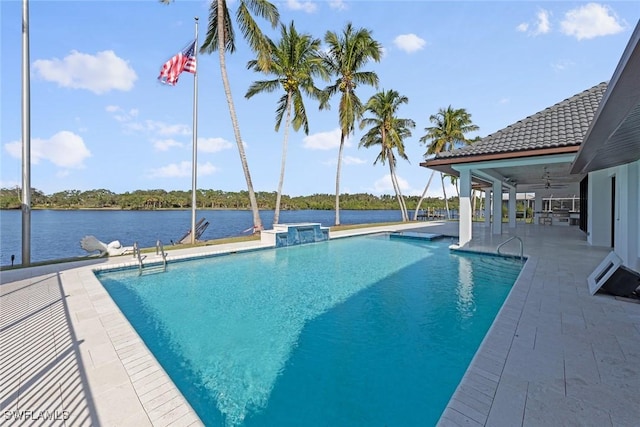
(446, 164)
(613, 138)
(536, 173)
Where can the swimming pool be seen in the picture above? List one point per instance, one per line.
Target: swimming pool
(356, 331)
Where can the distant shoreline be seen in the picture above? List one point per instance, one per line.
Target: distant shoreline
(133, 210)
(184, 209)
(160, 200)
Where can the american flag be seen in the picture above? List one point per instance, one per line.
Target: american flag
(182, 61)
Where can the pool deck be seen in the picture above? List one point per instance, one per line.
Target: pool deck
(555, 354)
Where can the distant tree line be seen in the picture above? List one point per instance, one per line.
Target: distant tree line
(205, 199)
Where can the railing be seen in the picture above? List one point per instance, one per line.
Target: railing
(507, 241)
(136, 254)
(159, 251)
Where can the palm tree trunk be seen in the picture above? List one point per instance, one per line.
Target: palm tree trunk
(444, 193)
(338, 178)
(257, 222)
(424, 196)
(396, 188)
(276, 215)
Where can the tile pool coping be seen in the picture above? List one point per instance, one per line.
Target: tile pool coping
(555, 354)
(120, 380)
(122, 383)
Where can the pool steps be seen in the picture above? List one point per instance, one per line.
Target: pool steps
(415, 235)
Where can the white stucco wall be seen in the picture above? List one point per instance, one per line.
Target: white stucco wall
(627, 216)
(599, 205)
(637, 166)
(628, 231)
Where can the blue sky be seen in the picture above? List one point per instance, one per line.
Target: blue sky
(100, 118)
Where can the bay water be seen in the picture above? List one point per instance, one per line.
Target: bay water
(56, 234)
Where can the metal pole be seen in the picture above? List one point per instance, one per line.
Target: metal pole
(194, 167)
(26, 139)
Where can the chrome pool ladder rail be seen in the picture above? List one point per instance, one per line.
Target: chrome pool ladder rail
(138, 256)
(160, 251)
(507, 241)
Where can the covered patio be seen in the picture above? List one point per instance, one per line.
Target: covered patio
(586, 145)
(532, 156)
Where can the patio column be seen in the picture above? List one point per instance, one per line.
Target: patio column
(497, 207)
(466, 216)
(487, 206)
(537, 208)
(512, 207)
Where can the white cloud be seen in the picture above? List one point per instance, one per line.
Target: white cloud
(127, 118)
(181, 170)
(435, 189)
(305, 6)
(337, 4)
(99, 73)
(351, 160)
(173, 170)
(206, 169)
(384, 185)
(163, 128)
(120, 114)
(562, 65)
(213, 145)
(542, 25)
(166, 144)
(590, 21)
(324, 140)
(346, 161)
(503, 101)
(64, 149)
(409, 43)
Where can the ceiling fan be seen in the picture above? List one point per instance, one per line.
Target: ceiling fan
(546, 182)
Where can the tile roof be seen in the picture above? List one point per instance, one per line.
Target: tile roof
(561, 125)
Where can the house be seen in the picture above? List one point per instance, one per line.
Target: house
(609, 156)
(586, 145)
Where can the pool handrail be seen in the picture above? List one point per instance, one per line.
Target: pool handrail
(160, 251)
(507, 241)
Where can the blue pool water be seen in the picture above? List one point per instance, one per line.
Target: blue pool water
(356, 331)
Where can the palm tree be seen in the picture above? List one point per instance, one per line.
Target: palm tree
(220, 37)
(348, 53)
(388, 131)
(294, 62)
(448, 132)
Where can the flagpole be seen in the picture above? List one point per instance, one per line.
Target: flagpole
(26, 139)
(194, 166)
